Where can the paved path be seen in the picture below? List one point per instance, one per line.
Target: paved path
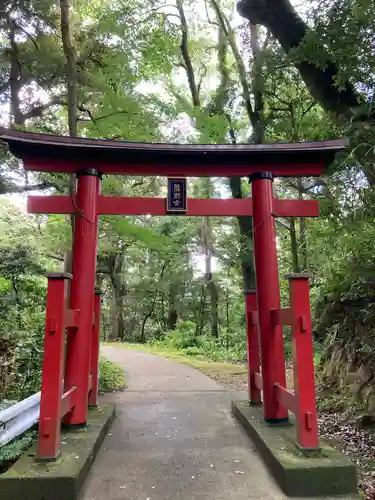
(175, 439)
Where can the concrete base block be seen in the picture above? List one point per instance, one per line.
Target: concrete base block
(321, 474)
(64, 478)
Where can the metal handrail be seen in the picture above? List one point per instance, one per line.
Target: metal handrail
(19, 418)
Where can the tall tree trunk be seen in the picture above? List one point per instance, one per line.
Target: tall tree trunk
(256, 120)
(118, 321)
(227, 37)
(257, 86)
(200, 313)
(210, 286)
(302, 232)
(214, 307)
(15, 76)
(71, 77)
(216, 107)
(117, 277)
(142, 337)
(172, 308)
(245, 225)
(71, 67)
(294, 245)
(184, 47)
(151, 313)
(227, 308)
(240, 65)
(257, 137)
(162, 305)
(166, 322)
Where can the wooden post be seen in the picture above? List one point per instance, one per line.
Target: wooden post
(252, 343)
(95, 349)
(303, 362)
(82, 294)
(268, 296)
(53, 366)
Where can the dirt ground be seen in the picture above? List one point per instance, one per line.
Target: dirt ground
(237, 380)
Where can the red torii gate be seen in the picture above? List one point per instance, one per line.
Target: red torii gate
(89, 159)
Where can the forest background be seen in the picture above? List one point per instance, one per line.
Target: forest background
(197, 71)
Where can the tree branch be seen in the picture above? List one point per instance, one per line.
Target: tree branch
(60, 258)
(257, 85)
(13, 188)
(225, 25)
(37, 111)
(309, 108)
(15, 75)
(186, 55)
(21, 28)
(280, 18)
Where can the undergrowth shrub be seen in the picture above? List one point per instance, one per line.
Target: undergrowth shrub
(181, 338)
(230, 346)
(112, 377)
(21, 338)
(192, 351)
(12, 451)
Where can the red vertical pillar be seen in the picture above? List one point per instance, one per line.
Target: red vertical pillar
(53, 365)
(253, 360)
(95, 346)
(82, 293)
(93, 400)
(268, 295)
(303, 362)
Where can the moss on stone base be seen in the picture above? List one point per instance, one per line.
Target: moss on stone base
(63, 479)
(324, 473)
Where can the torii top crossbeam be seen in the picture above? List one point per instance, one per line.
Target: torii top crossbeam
(51, 153)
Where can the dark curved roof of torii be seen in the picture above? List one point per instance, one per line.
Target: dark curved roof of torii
(52, 148)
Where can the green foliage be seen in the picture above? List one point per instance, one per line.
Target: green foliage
(18, 261)
(112, 377)
(12, 451)
(348, 28)
(184, 339)
(22, 308)
(181, 338)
